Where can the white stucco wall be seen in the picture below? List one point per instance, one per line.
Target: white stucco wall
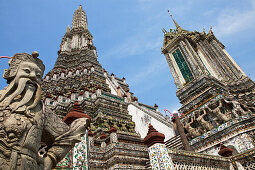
(141, 117)
(142, 121)
(111, 86)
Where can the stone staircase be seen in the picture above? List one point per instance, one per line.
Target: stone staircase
(174, 143)
(148, 165)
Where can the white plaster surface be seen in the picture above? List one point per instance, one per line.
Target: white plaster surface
(143, 116)
(142, 121)
(111, 86)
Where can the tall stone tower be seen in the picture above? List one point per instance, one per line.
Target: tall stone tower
(217, 97)
(78, 84)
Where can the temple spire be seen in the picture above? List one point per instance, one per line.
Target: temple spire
(79, 19)
(67, 29)
(210, 31)
(176, 24)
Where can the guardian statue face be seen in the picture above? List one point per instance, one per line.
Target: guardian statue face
(24, 77)
(25, 122)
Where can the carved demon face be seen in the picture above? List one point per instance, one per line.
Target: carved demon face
(30, 71)
(24, 91)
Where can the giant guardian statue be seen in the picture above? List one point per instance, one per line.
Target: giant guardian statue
(26, 124)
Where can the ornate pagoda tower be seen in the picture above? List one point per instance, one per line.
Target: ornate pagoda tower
(217, 97)
(79, 85)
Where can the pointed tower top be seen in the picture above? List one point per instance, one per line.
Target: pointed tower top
(204, 31)
(79, 19)
(176, 24)
(153, 137)
(210, 31)
(67, 29)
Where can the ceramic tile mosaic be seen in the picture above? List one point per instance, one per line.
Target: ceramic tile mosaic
(80, 154)
(159, 157)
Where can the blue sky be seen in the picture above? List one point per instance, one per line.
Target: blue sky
(128, 36)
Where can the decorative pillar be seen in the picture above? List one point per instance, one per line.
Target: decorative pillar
(69, 73)
(125, 98)
(156, 107)
(80, 154)
(118, 91)
(128, 95)
(173, 71)
(135, 99)
(113, 135)
(177, 70)
(92, 69)
(103, 136)
(183, 136)
(105, 73)
(48, 99)
(159, 157)
(93, 96)
(62, 75)
(77, 71)
(86, 93)
(47, 78)
(80, 97)
(112, 76)
(98, 91)
(91, 140)
(124, 80)
(189, 59)
(85, 70)
(60, 98)
(80, 150)
(54, 76)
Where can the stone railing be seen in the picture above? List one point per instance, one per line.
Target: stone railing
(197, 161)
(244, 160)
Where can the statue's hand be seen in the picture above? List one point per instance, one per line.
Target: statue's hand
(48, 163)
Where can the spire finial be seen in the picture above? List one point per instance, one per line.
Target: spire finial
(203, 29)
(68, 29)
(210, 31)
(176, 24)
(79, 19)
(164, 30)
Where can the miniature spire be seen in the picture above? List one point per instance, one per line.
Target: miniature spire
(67, 29)
(153, 137)
(75, 113)
(163, 30)
(210, 31)
(176, 24)
(79, 19)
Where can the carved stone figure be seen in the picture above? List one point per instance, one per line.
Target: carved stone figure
(208, 126)
(192, 132)
(105, 124)
(237, 109)
(25, 122)
(249, 106)
(217, 112)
